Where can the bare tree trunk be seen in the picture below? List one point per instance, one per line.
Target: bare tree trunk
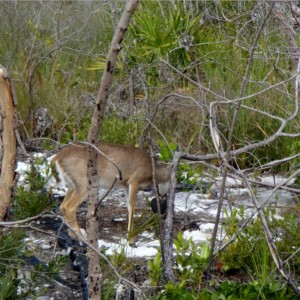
(99, 111)
(8, 141)
(167, 243)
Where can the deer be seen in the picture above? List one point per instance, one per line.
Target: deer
(133, 164)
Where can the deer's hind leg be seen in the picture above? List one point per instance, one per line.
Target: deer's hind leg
(69, 206)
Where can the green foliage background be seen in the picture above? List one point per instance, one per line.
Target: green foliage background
(196, 50)
(55, 52)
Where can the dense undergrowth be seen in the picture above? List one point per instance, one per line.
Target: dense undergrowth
(243, 270)
(176, 61)
(57, 61)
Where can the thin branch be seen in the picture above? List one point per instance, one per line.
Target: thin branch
(277, 162)
(261, 206)
(230, 140)
(270, 240)
(226, 100)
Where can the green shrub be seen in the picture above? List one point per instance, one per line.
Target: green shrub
(186, 172)
(190, 263)
(11, 249)
(250, 291)
(120, 130)
(115, 129)
(174, 291)
(11, 246)
(250, 251)
(230, 290)
(32, 198)
(8, 286)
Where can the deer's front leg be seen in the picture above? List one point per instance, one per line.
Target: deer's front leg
(132, 195)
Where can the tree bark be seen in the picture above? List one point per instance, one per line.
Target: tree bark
(8, 141)
(167, 243)
(96, 123)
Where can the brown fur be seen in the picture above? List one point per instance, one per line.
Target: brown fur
(135, 166)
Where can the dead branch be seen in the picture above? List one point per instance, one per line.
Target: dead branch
(96, 123)
(270, 240)
(261, 206)
(8, 141)
(230, 140)
(286, 23)
(168, 262)
(223, 99)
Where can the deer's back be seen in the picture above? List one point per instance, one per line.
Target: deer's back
(134, 164)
